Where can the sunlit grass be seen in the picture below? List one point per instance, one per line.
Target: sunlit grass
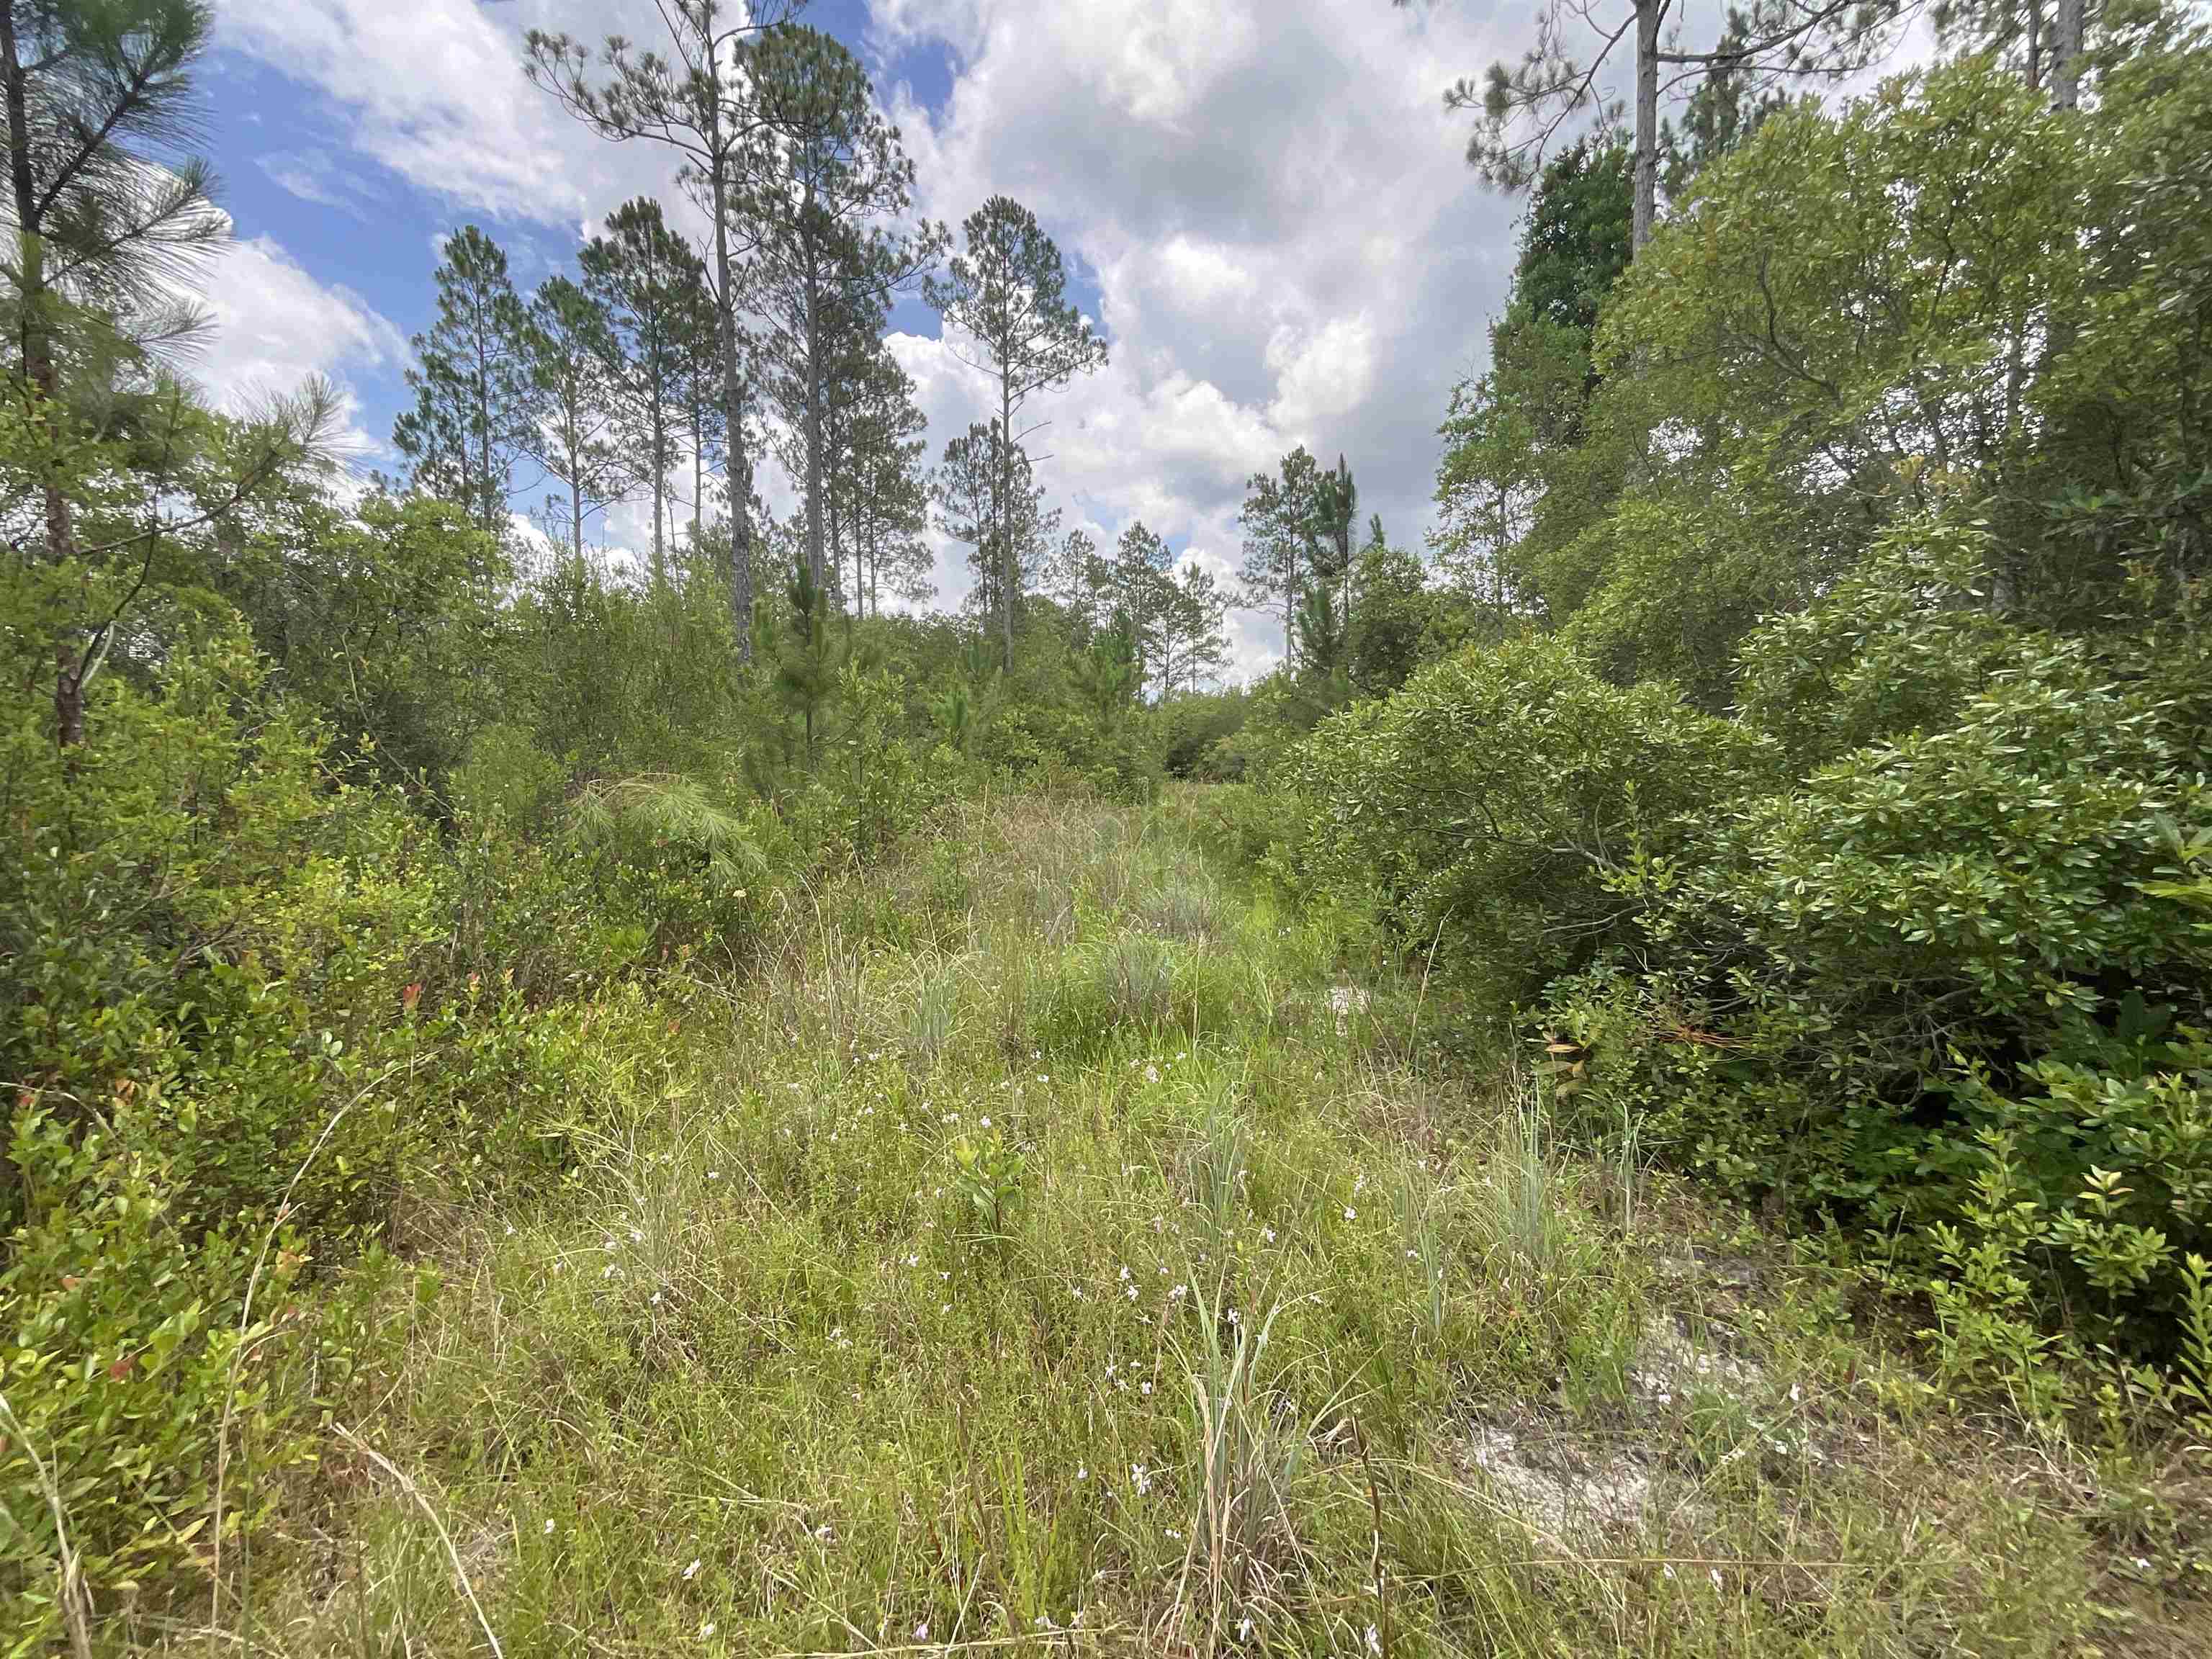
(762, 1378)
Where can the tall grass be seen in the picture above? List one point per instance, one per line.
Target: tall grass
(1206, 1388)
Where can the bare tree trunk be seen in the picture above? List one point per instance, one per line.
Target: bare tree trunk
(813, 426)
(1648, 14)
(2068, 32)
(1006, 517)
(485, 508)
(738, 469)
(660, 441)
(39, 361)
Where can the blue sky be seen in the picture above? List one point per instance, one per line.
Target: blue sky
(291, 172)
(1262, 202)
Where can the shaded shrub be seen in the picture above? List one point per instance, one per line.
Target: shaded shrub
(1857, 985)
(235, 1026)
(1486, 805)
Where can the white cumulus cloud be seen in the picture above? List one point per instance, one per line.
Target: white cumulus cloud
(275, 324)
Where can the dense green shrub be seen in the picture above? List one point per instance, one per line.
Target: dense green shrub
(1928, 909)
(238, 1023)
(1486, 805)
(1854, 992)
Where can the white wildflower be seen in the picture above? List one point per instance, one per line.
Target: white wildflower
(1141, 1478)
(692, 1572)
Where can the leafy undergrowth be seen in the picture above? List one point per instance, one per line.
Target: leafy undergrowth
(1061, 1249)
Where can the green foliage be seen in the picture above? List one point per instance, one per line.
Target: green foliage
(1907, 937)
(1487, 806)
(1930, 902)
(989, 1173)
(214, 1018)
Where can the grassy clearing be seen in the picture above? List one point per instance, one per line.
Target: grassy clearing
(1039, 1259)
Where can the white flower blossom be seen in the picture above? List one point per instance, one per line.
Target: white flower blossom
(692, 1572)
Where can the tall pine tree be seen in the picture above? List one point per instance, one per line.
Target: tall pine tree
(1006, 298)
(471, 379)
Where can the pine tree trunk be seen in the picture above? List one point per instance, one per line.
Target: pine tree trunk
(659, 442)
(39, 361)
(813, 426)
(483, 427)
(1006, 516)
(576, 504)
(738, 469)
(1647, 120)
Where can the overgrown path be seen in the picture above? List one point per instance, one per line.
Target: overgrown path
(1037, 1258)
